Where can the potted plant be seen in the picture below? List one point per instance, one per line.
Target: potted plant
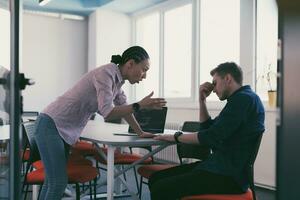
(270, 77)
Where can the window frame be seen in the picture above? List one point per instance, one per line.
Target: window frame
(161, 9)
(248, 23)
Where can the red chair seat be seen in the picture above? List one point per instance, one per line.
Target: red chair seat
(36, 177)
(4, 160)
(244, 196)
(81, 174)
(73, 160)
(78, 160)
(123, 158)
(76, 174)
(26, 155)
(147, 170)
(84, 148)
(38, 165)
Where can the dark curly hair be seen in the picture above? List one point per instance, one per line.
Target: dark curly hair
(136, 53)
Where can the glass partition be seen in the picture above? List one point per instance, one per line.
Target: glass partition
(10, 101)
(4, 99)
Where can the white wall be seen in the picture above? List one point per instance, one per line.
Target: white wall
(54, 55)
(5, 38)
(265, 165)
(4, 59)
(247, 46)
(109, 34)
(92, 41)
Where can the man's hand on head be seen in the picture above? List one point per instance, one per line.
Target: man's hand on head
(205, 90)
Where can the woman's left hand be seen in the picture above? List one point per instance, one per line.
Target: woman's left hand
(152, 103)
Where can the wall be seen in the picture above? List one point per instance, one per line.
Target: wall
(109, 34)
(54, 55)
(4, 61)
(265, 164)
(59, 52)
(5, 38)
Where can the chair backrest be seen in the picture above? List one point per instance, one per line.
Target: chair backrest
(29, 128)
(255, 150)
(200, 152)
(251, 163)
(29, 116)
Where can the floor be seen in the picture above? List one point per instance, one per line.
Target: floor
(262, 194)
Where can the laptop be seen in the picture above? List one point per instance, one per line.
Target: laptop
(152, 121)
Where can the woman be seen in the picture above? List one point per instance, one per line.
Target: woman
(61, 123)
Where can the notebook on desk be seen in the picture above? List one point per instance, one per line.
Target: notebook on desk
(152, 121)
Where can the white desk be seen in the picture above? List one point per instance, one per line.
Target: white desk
(102, 133)
(4, 132)
(4, 160)
(4, 143)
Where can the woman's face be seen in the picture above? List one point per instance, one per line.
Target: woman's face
(137, 72)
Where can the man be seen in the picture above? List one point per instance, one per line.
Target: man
(232, 136)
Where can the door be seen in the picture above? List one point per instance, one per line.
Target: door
(288, 135)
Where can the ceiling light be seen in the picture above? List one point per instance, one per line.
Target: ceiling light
(43, 2)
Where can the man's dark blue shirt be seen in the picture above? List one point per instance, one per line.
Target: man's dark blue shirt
(232, 135)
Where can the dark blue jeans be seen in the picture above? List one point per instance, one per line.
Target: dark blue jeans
(54, 154)
(177, 182)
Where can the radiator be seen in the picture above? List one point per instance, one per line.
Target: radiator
(173, 126)
(168, 154)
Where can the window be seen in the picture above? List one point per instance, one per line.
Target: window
(178, 52)
(147, 36)
(190, 38)
(219, 36)
(266, 48)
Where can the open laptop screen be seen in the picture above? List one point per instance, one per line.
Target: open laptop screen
(152, 121)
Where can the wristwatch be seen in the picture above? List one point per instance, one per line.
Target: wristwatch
(136, 107)
(176, 136)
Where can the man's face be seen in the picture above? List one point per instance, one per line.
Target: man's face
(138, 71)
(220, 86)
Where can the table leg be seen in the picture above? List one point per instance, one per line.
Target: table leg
(35, 191)
(110, 172)
(118, 186)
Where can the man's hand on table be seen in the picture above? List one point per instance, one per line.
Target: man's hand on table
(146, 135)
(165, 137)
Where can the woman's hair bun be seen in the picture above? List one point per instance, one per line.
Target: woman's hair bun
(117, 59)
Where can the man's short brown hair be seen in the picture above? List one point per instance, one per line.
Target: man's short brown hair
(229, 68)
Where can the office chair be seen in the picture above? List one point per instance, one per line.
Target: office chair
(29, 115)
(249, 195)
(199, 152)
(26, 116)
(121, 158)
(77, 173)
